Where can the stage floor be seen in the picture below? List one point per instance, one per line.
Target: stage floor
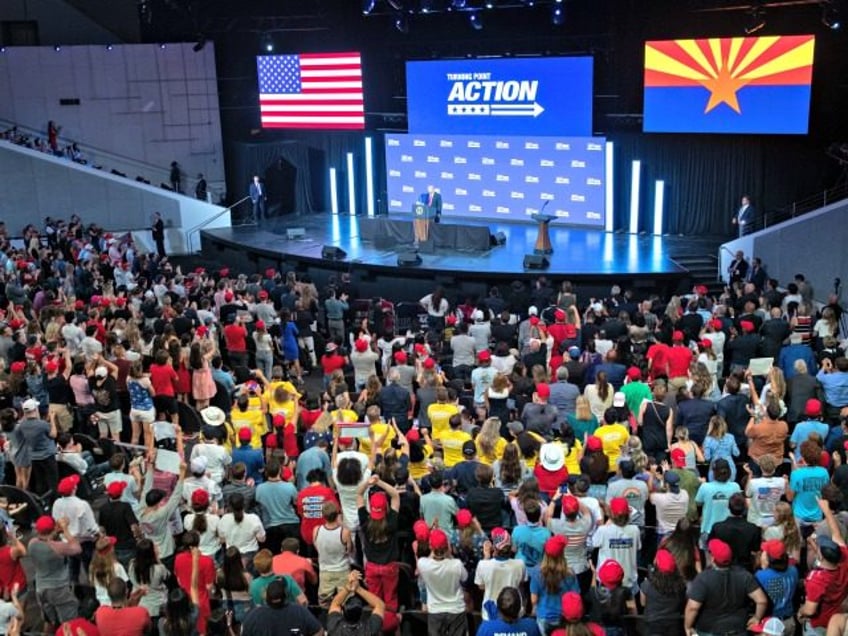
(577, 252)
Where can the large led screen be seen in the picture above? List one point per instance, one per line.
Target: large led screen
(311, 90)
(542, 96)
(729, 85)
(500, 177)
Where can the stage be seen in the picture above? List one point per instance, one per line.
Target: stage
(589, 257)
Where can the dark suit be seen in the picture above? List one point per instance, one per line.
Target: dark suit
(258, 197)
(435, 203)
(158, 233)
(757, 276)
(738, 270)
(745, 219)
(396, 403)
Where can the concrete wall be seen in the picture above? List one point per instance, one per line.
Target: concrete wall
(141, 106)
(812, 245)
(34, 185)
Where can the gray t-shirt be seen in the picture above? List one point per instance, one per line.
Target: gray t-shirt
(51, 563)
(36, 435)
(463, 350)
(636, 493)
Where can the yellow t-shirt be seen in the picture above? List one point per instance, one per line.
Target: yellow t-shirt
(344, 415)
(377, 430)
(440, 415)
(254, 420)
(613, 437)
(531, 461)
(572, 460)
(417, 470)
(452, 442)
(500, 445)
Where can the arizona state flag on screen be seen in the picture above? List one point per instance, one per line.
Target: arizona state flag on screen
(729, 85)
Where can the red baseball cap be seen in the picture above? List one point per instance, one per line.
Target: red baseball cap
(259, 324)
(228, 296)
(677, 336)
(421, 530)
(594, 443)
(543, 390)
(279, 420)
(116, 489)
(484, 355)
(201, 330)
(451, 320)
(706, 344)
(262, 295)
(413, 435)
(534, 320)
(716, 324)
(245, 434)
(572, 607)
(610, 574)
(813, 408)
(559, 315)
(361, 345)
(379, 505)
(634, 373)
(774, 548)
(664, 560)
(720, 551)
(51, 367)
(678, 457)
(66, 486)
(438, 539)
(400, 357)
(619, 506)
(570, 505)
(747, 325)
(45, 524)
(345, 441)
(555, 545)
(429, 363)
(200, 497)
(464, 518)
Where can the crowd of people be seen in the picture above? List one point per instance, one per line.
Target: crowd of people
(223, 452)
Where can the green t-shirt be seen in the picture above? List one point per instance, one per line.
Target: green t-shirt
(257, 588)
(634, 394)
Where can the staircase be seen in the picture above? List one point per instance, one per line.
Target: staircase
(703, 270)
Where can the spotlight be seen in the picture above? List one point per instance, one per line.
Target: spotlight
(109, 47)
(475, 21)
(368, 6)
(57, 48)
(266, 43)
(2, 49)
(557, 15)
(490, 4)
(201, 43)
(402, 23)
(162, 45)
(756, 21)
(830, 16)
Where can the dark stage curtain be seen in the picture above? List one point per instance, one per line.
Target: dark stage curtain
(706, 175)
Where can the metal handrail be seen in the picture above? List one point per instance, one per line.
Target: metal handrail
(805, 205)
(196, 229)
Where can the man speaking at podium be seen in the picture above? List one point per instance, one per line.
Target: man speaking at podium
(433, 199)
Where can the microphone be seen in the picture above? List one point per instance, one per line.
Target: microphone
(544, 205)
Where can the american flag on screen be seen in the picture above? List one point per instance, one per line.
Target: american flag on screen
(311, 90)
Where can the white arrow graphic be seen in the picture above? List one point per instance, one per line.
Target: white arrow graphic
(518, 110)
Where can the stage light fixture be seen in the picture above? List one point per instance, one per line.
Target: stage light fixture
(109, 47)
(475, 21)
(351, 186)
(635, 184)
(2, 49)
(266, 43)
(659, 204)
(368, 6)
(57, 48)
(557, 15)
(369, 175)
(490, 4)
(609, 225)
(162, 46)
(334, 191)
(756, 20)
(830, 16)
(401, 23)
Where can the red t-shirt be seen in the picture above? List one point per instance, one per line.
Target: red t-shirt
(164, 379)
(827, 588)
(308, 418)
(679, 359)
(235, 337)
(205, 580)
(550, 481)
(11, 571)
(122, 621)
(331, 362)
(309, 503)
(658, 354)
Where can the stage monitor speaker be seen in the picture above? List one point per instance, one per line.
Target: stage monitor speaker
(333, 253)
(536, 261)
(498, 238)
(408, 259)
(295, 233)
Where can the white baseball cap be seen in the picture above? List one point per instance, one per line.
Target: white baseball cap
(618, 399)
(30, 405)
(101, 372)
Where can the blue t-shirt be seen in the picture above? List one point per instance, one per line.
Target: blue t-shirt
(549, 607)
(807, 482)
(140, 398)
(802, 432)
(252, 458)
(497, 627)
(780, 588)
(529, 542)
(715, 497)
(277, 500)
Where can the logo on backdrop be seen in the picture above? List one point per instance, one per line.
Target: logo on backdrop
(509, 177)
(512, 96)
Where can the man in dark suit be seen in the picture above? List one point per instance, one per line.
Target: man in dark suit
(157, 230)
(757, 274)
(738, 268)
(434, 200)
(744, 216)
(258, 197)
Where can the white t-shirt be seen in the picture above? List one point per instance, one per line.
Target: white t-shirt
(671, 508)
(209, 542)
(764, 493)
(443, 578)
(217, 459)
(7, 613)
(621, 544)
(102, 593)
(496, 574)
(245, 535)
(347, 494)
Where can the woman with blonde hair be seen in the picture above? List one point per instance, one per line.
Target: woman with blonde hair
(785, 528)
(719, 444)
(582, 422)
(490, 444)
(599, 395)
(549, 582)
(775, 387)
(690, 448)
(104, 568)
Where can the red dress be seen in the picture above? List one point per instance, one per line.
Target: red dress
(183, 379)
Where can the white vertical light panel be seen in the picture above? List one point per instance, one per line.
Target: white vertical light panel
(351, 186)
(635, 183)
(609, 225)
(369, 175)
(334, 192)
(659, 202)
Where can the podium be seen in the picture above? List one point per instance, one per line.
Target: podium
(422, 215)
(543, 236)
